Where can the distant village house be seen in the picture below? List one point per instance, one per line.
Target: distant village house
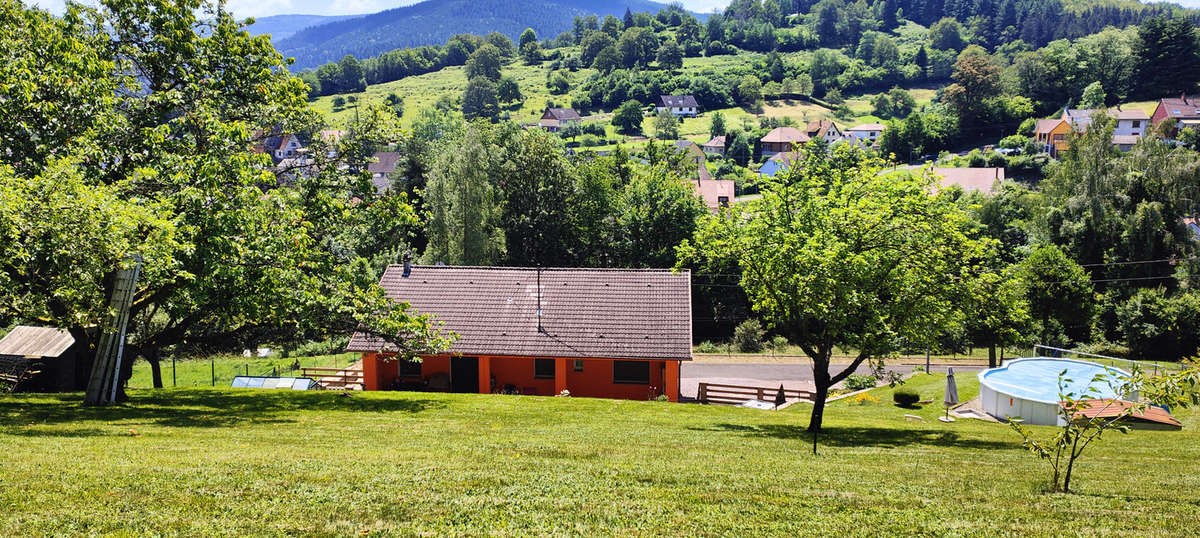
(679, 105)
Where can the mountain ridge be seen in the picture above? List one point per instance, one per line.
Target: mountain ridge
(434, 21)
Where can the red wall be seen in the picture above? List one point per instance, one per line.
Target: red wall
(595, 381)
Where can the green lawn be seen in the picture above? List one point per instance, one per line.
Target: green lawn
(203, 372)
(230, 462)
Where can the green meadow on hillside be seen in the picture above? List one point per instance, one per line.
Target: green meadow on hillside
(244, 462)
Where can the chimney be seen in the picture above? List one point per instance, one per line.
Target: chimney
(407, 265)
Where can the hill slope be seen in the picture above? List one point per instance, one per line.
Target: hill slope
(284, 26)
(434, 21)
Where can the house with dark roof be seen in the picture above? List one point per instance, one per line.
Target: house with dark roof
(383, 170)
(555, 119)
(1183, 109)
(603, 333)
(679, 105)
(824, 129)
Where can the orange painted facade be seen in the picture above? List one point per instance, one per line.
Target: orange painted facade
(591, 378)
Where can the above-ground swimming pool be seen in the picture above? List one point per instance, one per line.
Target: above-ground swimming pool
(1028, 388)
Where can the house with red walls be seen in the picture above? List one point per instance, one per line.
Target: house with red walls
(601, 333)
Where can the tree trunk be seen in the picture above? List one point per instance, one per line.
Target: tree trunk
(154, 358)
(821, 380)
(992, 356)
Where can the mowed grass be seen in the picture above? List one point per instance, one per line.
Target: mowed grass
(220, 371)
(245, 462)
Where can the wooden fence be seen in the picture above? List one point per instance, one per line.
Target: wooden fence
(735, 394)
(334, 378)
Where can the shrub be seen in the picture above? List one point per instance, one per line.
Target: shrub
(779, 343)
(747, 337)
(859, 382)
(864, 399)
(906, 397)
(708, 347)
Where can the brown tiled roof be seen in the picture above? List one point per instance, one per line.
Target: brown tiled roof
(385, 162)
(586, 313)
(717, 141)
(1106, 408)
(820, 128)
(24, 341)
(785, 134)
(1045, 126)
(1181, 107)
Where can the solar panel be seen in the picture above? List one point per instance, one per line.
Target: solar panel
(257, 382)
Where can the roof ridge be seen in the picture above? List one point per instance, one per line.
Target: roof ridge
(515, 268)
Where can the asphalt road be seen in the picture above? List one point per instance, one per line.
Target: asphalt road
(792, 376)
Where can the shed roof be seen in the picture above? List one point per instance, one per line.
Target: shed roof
(868, 127)
(385, 162)
(716, 142)
(25, 341)
(1046, 126)
(586, 313)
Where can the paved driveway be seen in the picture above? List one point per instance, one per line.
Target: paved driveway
(792, 376)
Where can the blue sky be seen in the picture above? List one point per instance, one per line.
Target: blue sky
(261, 8)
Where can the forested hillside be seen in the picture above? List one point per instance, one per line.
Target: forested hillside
(283, 26)
(434, 21)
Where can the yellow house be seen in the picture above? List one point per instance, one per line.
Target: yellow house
(1051, 135)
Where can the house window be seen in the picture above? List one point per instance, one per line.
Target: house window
(1137, 123)
(578, 365)
(543, 368)
(410, 368)
(723, 200)
(631, 372)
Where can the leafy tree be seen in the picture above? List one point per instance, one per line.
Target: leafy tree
(976, 80)
(741, 150)
(537, 187)
(839, 255)
(666, 126)
(658, 211)
(716, 126)
(353, 77)
(1060, 295)
(502, 44)
(480, 99)
(531, 53)
(508, 91)
(1093, 96)
(628, 118)
(463, 206)
(628, 19)
(902, 102)
(612, 27)
(607, 59)
(592, 44)
(670, 56)
(947, 34)
(161, 164)
(484, 62)
(999, 311)
(637, 47)
(749, 90)
(592, 211)
(527, 37)
(881, 106)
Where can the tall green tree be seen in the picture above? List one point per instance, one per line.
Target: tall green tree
(839, 255)
(177, 96)
(670, 55)
(628, 118)
(658, 210)
(1168, 57)
(666, 126)
(537, 185)
(480, 99)
(527, 37)
(463, 220)
(484, 62)
(1061, 299)
(716, 126)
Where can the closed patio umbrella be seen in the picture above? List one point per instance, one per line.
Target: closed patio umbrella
(951, 398)
(780, 399)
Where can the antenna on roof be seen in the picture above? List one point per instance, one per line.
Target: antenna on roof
(539, 295)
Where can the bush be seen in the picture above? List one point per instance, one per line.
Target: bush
(906, 397)
(779, 343)
(747, 337)
(707, 347)
(860, 382)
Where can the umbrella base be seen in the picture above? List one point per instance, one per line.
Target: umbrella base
(946, 419)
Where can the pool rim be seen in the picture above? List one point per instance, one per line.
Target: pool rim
(983, 373)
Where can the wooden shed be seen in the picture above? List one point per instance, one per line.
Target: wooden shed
(43, 359)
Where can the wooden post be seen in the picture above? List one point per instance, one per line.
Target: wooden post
(485, 375)
(702, 394)
(761, 394)
(560, 376)
(671, 381)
